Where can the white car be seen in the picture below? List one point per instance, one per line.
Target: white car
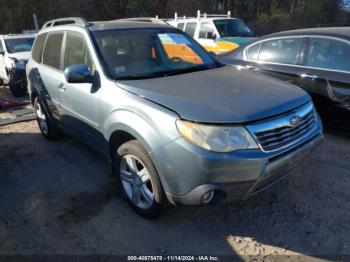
(15, 51)
(216, 33)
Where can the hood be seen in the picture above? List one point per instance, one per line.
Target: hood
(223, 95)
(238, 40)
(22, 56)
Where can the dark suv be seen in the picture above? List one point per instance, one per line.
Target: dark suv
(175, 125)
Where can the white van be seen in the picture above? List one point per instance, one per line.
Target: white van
(216, 33)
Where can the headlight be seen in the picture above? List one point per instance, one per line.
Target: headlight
(221, 139)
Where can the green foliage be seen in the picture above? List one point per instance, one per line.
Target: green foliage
(265, 16)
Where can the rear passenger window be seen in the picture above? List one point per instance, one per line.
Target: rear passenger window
(76, 51)
(329, 54)
(52, 52)
(283, 51)
(191, 28)
(38, 46)
(252, 52)
(181, 26)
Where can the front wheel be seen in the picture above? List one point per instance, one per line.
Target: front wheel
(47, 128)
(139, 180)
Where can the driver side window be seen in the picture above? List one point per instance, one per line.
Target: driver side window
(76, 51)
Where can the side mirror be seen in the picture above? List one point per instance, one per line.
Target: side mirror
(78, 74)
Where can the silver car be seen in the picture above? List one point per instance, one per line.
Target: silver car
(175, 125)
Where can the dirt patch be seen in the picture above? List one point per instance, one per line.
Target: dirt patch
(60, 198)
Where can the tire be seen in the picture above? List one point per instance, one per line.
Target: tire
(18, 89)
(47, 128)
(139, 180)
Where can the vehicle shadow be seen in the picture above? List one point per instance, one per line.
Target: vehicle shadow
(59, 197)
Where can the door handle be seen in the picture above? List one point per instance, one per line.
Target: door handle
(250, 67)
(313, 77)
(61, 87)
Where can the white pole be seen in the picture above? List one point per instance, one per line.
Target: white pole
(36, 22)
(198, 14)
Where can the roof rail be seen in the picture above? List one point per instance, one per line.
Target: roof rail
(205, 15)
(143, 19)
(66, 21)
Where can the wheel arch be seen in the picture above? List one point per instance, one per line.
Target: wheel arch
(125, 126)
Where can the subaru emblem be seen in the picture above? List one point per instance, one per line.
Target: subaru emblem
(295, 121)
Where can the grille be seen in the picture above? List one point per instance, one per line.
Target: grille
(280, 132)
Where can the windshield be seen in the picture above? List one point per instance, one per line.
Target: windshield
(16, 45)
(149, 53)
(233, 28)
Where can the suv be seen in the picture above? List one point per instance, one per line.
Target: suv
(175, 125)
(14, 55)
(216, 33)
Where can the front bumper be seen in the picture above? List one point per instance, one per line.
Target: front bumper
(191, 172)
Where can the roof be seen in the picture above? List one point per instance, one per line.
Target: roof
(343, 32)
(123, 24)
(77, 22)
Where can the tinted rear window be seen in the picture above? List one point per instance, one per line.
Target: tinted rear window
(329, 54)
(53, 47)
(38, 47)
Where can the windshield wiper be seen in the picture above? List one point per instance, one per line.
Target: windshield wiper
(137, 77)
(186, 70)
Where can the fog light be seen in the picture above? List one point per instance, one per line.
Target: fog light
(208, 197)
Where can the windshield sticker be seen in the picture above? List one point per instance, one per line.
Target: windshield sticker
(173, 38)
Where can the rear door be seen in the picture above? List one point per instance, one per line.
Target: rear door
(326, 72)
(51, 72)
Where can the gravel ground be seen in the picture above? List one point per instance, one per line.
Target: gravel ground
(59, 198)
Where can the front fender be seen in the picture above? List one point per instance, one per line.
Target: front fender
(150, 134)
(135, 125)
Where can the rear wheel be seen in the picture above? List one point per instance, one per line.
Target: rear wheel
(139, 180)
(47, 128)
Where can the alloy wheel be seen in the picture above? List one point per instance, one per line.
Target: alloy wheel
(136, 182)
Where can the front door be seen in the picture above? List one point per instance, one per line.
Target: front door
(281, 58)
(80, 101)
